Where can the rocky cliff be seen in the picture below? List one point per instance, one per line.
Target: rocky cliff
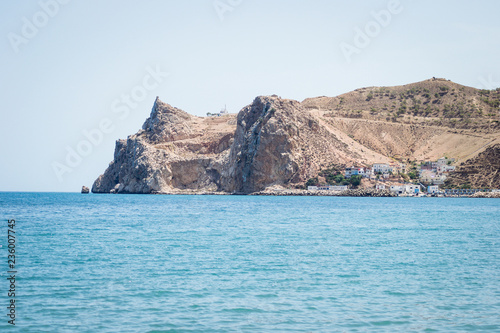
(173, 151)
(278, 142)
(482, 171)
(275, 142)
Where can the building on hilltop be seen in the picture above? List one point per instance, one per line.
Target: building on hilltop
(223, 111)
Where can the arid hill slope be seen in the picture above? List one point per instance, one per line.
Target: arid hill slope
(419, 121)
(483, 171)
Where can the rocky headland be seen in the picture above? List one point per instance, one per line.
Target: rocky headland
(281, 143)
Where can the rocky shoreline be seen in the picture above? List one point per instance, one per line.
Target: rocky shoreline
(486, 195)
(347, 193)
(274, 192)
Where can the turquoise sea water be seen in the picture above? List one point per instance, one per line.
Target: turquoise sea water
(145, 263)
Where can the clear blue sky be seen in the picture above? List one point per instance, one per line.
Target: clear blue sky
(68, 68)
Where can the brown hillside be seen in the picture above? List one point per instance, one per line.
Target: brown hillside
(419, 121)
(483, 171)
(437, 102)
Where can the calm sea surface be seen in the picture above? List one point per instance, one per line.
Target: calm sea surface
(145, 263)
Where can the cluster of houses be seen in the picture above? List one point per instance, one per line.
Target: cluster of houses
(432, 173)
(435, 172)
(377, 171)
(404, 189)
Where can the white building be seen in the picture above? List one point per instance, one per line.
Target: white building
(445, 161)
(355, 171)
(380, 186)
(407, 188)
(412, 189)
(397, 189)
(348, 172)
(430, 177)
(382, 168)
(223, 111)
(432, 189)
(401, 168)
(367, 173)
(445, 168)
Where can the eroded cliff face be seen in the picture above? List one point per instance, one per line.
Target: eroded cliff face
(173, 152)
(277, 142)
(137, 167)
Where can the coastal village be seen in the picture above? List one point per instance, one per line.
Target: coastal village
(426, 178)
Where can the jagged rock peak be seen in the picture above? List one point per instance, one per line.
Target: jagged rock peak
(263, 107)
(162, 111)
(274, 139)
(167, 123)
